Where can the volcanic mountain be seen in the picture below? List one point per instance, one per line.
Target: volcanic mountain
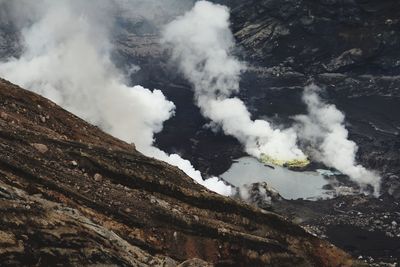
(71, 194)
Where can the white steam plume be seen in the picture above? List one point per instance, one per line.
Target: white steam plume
(67, 59)
(324, 130)
(201, 42)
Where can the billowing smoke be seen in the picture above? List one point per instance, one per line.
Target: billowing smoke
(67, 58)
(201, 43)
(324, 130)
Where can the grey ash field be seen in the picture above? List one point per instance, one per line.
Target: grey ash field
(73, 195)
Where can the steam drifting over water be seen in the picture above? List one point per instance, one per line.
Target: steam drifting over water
(324, 131)
(201, 43)
(67, 58)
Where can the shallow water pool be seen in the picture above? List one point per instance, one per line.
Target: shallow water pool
(290, 184)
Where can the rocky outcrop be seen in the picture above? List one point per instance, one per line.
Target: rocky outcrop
(364, 226)
(73, 195)
(311, 37)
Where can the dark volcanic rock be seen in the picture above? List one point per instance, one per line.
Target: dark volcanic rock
(312, 37)
(364, 226)
(142, 212)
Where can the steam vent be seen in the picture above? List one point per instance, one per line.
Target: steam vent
(190, 133)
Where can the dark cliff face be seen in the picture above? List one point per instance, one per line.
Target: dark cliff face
(73, 195)
(313, 37)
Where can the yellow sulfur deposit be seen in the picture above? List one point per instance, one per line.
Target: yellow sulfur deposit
(296, 163)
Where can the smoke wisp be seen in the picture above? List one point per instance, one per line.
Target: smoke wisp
(323, 128)
(201, 43)
(67, 58)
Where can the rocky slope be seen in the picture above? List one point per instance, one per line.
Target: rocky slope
(73, 195)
